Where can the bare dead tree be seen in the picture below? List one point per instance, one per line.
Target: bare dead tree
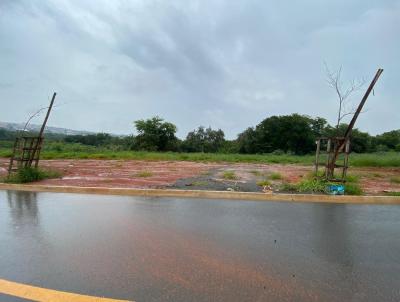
(37, 113)
(334, 80)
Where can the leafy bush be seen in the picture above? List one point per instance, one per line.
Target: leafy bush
(393, 193)
(352, 188)
(288, 187)
(312, 186)
(144, 174)
(230, 175)
(395, 179)
(26, 175)
(275, 176)
(263, 183)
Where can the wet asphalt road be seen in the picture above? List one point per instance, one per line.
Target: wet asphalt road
(167, 249)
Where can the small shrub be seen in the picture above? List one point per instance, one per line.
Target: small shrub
(352, 178)
(278, 152)
(144, 174)
(392, 193)
(26, 175)
(288, 187)
(256, 172)
(263, 183)
(200, 183)
(312, 186)
(275, 176)
(230, 175)
(353, 189)
(395, 179)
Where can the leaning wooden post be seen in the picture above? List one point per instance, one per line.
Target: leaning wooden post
(317, 157)
(349, 129)
(47, 115)
(40, 136)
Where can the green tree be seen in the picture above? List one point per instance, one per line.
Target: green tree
(318, 126)
(6, 134)
(360, 142)
(98, 139)
(289, 133)
(204, 140)
(389, 139)
(155, 134)
(247, 141)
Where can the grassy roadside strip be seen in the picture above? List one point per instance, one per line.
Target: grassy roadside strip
(384, 159)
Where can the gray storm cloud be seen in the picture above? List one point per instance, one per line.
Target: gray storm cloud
(225, 64)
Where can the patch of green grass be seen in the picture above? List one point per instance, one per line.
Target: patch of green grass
(351, 178)
(200, 183)
(392, 193)
(256, 172)
(383, 159)
(352, 188)
(27, 175)
(275, 176)
(144, 174)
(5, 153)
(312, 186)
(229, 175)
(263, 183)
(60, 150)
(288, 188)
(395, 179)
(207, 173)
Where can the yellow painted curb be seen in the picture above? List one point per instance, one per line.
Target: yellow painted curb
(207, 194)
(46, 295)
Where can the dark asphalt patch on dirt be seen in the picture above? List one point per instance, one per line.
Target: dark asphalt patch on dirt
(213, 181)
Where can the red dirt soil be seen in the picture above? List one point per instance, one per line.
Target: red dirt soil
(160, 174)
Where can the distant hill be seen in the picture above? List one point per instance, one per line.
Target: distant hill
(34, 127)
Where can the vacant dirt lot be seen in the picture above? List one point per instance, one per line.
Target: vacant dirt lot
(196, 175)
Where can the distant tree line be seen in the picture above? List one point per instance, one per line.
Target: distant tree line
(293, 133)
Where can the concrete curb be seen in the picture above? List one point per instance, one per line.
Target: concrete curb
(206, 194)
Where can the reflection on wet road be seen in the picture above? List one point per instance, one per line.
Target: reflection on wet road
(167, 249)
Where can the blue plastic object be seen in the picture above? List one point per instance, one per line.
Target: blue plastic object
(336, 189)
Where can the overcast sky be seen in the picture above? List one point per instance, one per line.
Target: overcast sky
(221, 63)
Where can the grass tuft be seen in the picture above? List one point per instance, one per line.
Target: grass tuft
(27, 175)
(263, 183)
(229, 175)
(392, 193)
(144, 174)
(312, 186)
(200, 183)
(288, 188)
(395, 179)
(256, 172)
(275, 176)
(353, 188)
